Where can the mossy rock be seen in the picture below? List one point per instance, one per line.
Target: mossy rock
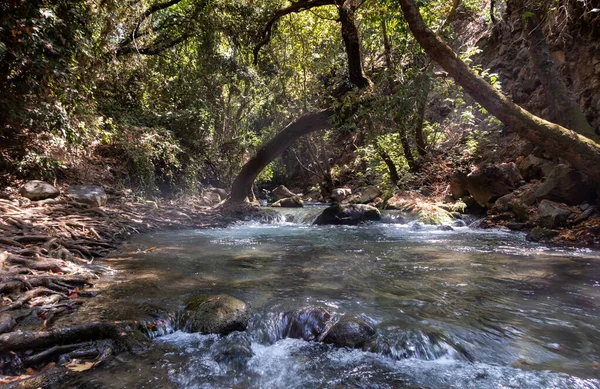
(539, 234)
(220, 314)
(434, 215)
(522, 211)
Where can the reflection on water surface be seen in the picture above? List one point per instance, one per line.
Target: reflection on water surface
(457, 309)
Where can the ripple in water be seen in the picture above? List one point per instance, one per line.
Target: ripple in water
(452, 309)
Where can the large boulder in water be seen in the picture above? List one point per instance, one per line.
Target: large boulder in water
(290, 202)
(492, 182)
(88, 194)
(220, 314)
(350, 332)
(38, 190)
(281, 192)
(350, 214)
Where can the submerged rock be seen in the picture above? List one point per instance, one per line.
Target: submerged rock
(290, 202)
(351, 214)
(38, 190)
(306, 323)
(234, 351)
(220, 314)
(350, 332)
(318, 324)
(88, 194)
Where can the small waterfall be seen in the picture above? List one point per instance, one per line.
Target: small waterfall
(299, 215)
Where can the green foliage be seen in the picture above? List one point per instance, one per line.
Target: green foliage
(39, 166)
(74, 74)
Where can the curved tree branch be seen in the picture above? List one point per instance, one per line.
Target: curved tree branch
(145, 15)
(298, 6)
(154, 50)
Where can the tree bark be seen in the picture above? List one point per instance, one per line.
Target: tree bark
(304, 125)
(420, 121)
(412, 164)
(352, 43)
(564, 110)
(387, 51)
(394, 177)
(581, 152)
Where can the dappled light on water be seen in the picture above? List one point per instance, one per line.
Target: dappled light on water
(461, 308)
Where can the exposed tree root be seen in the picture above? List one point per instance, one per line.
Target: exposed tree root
(47, 254)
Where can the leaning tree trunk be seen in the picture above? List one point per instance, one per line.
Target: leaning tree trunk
(304, 125)
(394, 177)
(581, 152)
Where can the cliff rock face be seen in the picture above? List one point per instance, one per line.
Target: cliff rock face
(574, 43)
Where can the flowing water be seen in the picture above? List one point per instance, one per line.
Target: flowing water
(464, 308)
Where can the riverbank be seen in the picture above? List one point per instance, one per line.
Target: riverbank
(48, 250)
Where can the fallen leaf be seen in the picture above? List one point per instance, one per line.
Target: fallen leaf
(75, 365)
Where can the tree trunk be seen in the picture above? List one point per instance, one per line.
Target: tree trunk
(352, 43)
(304, 125)
(387, 50)
(420, 121)
(581, 152)
(394, 177)
(565, 111)
(412, 164)
(309, 122)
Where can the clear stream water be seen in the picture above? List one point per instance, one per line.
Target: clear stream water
(465, 308)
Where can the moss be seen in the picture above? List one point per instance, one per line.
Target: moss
(194, 302)
(434, 215)
(522, 211)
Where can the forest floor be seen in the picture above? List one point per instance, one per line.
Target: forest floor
(47, 268)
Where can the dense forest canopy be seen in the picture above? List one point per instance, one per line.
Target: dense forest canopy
(169, 94)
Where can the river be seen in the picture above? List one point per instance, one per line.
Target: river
(462, 308)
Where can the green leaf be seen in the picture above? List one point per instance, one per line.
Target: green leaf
(527, 15)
